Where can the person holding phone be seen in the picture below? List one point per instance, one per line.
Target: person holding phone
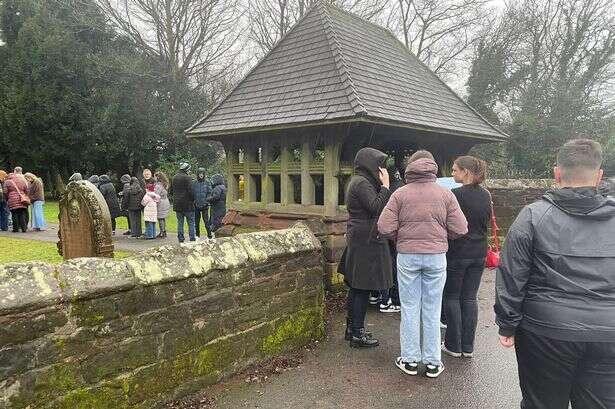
(367, 261)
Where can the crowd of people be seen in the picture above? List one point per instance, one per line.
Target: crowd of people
(20, 195)
(147, 200)
(555, 288)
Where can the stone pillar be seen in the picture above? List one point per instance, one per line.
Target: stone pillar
(307, 183)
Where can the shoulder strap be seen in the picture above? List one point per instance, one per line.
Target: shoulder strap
(494, 225)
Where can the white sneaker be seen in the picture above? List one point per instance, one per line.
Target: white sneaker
(409, 368)
(449, 352)
(433, 371)
(374, 300)
(389, 307)
(467, 354)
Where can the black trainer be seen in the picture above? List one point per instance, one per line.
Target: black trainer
(409, 368)
(348, 332)
(362, 340)
(433, 371)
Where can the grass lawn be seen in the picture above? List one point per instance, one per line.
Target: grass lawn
(52, 210)
(32, 250)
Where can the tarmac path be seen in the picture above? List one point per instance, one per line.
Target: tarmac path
(336, 376)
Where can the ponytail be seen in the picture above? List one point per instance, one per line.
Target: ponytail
(477, 167)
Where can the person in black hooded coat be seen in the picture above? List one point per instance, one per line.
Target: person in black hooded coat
(366, 263)
(217, 201)
(108, 191)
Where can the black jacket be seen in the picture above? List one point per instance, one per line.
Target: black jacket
(108, 191)
(557, 271)
(183, 193)
(217, 200)
(135, 195)
(367, 263)
(475, 203)
(202, 190)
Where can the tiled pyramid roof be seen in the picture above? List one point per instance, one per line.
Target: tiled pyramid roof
(333, 66)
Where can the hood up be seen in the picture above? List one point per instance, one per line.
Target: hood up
(368, 161)
(421, 170)
(582, 202)
(217, 179)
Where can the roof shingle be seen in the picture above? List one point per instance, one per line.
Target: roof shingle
(334, 65)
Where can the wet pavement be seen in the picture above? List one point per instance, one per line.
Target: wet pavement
(336, 376)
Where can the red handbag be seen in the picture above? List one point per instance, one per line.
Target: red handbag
(493, 252)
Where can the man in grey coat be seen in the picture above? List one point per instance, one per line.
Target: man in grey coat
(555, 288)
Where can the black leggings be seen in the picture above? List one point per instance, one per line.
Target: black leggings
(356, 305)
(20, 219)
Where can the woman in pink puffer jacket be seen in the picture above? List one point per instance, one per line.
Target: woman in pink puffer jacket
(420, 217)
(16, 187)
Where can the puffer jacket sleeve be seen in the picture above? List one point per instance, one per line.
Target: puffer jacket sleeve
(456, 223)
(513, 274)
(388, 223)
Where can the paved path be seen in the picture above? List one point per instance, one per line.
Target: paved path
(120, 242)
(336, 376)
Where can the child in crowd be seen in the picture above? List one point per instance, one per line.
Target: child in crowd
(150, 211)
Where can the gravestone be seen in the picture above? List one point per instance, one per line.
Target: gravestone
(85, 222)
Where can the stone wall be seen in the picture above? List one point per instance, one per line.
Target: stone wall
(132, 333)
(511, 195)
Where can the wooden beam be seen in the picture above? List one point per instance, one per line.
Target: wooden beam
(286, 186)
(308, 193)
(266, 181)
(332, 163)
(232, 193)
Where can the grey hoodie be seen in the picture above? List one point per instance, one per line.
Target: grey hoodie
(557, 271)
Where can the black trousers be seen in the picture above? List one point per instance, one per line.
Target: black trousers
(134, 216)
(356, 305)
(204, 214)
(553, 373)
(460, 302)
(20, 219)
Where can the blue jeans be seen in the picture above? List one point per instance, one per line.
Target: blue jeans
(38, 215)
(4, 216)
(421, 279)
(150, 230)
(180, 226)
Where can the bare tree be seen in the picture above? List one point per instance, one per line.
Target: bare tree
(547, 71)
(270, 20)
(438, 32)
(193, 39)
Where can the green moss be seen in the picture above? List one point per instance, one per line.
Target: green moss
(59, 379)
(104, 397)
(298, 329)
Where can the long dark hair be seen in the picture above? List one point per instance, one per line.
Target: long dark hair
(477, 167)
(162, 178)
